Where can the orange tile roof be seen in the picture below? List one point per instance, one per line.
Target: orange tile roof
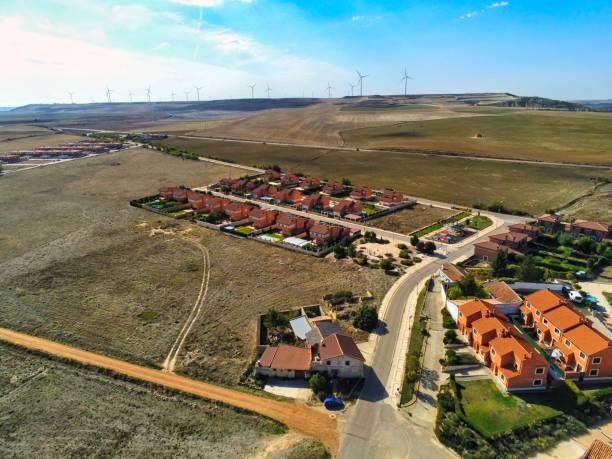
(596, 226)
(516, 345)
(474, 306)
(337, 346)
(564, 318)
(545, 300)
(286, 357)
(502, 292)
(549, 218)
(487, 324)
(587, 340)
(453, 272)
(598, 450)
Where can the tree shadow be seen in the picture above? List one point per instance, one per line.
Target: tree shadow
(426, 398)
(429, 379)
(381, 329)
(373, 389)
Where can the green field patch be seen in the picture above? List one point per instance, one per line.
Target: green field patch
(147, 316)
(479, 222)
(492, 413)
(244, 229)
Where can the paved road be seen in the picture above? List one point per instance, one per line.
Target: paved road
(295, 415)
(374, 428)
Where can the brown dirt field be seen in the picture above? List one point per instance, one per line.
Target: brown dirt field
(47, 411)
(409, 220)
(295, 415)
(78, 264)
(29, 143)
(596, 206)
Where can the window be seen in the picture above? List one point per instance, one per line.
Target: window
(582, 355)
(538, 313)
(594, 372)
(579, 368)
(347, 363)
(545, 321)
(492, 351)
(557, 331)
(568, 343)
(328, 363)
(538, 331)
(596, 360)
(475, 332)
(539, 370)
(502, 377)
(537, 382)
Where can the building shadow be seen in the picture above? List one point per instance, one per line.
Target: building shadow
(381, 329)
(373, 389)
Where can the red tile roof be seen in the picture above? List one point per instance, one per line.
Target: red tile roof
(453, 272)
(587, 340)
(564, 318)
(338, 346)
(502, 292)
(598, 450)
(545, 300)
(595, 226)
(552, 218)
(286, 357)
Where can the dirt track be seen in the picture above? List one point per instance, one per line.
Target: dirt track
(296, 416)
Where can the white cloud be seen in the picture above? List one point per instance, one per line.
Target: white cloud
(498, 5)
(131, 16)
(161, 46)
(470, 15)
(206, 3)
(473, 14)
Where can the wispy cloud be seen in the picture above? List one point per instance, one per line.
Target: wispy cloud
(498, 5)
(161, 46)
(475, 13)
(206, 3)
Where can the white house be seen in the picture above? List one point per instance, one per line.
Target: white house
(338, 356)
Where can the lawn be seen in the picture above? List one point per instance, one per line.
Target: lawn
(576, 137)
(492, 413)
(479, 222)
(532, 188)
(244, 230)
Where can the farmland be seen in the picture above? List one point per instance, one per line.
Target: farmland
(409, 220)
(29, 142)
(532, 135)
(530, 187)
(51, 409)
(79, 265)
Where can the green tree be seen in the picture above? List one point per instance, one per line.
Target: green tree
(500, 263)
(319, 384)
(386, 264)
(451, 357)
(340, 252)
(528, 271)
(346, 181)
(351, 251)
(450, 336)
(414, 240)
(366, 318)
(469, 286)
(454, 293)
(585, 244)
(275, 319)
(564, 238)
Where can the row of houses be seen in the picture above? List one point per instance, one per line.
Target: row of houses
(551, 223)
(565, 337)
(326, 349)
(514, 241)
(288, 224)
(65, 150)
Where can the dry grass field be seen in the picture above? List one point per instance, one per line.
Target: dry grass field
(79, 265)
(28, 142)
(409, 220)
(597, 206)
(52, 409)
(531, 187)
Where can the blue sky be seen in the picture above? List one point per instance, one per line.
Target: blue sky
(559, 49)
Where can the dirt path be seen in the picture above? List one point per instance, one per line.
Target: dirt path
(170, 362)
(295, 415)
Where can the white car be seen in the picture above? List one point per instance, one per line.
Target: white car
(575, 296)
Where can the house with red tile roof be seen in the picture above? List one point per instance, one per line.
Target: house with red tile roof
(472, 310)
(311, 183)
(346, 206)
(339, 357)
(333, 188)
(530, 230)
(315, 201)
(167, 192)
(484, 330)
(216, 205)
(517, 241)
(179, 194)
(487, 250)
(538, 303)
(596, 230)
(517, 364)
(450, 273)
(325, 234)
(264, 190)
(391, 198)
(504, 298)
(362, 193)
(551, 223)
(271, 174)
(292, 225)
(237, 211)
(284, 361)
(585, 353)
(262, 218)
(288, 196)
(510, 242)
(290, 180)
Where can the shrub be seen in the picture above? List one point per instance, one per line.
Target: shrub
(366, 318)
(319, 384)
(340, 252)
(450, 336)
(386, 264)
(274, 319)
(454, 292)
(402, 246)
(447, 320)
(404, 254)
(451, 357)
(414, 240)
(407, 262)
(581, 398)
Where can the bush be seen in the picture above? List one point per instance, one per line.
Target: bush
(407, 262)
(454, 292)
(450, 336)
(581, 398)
(319, 384)
(451, 357)
(402, 246)
(366, 318)
(275, 319)
(447, 320)
(386, 264)
(340, 252)
(404, 254)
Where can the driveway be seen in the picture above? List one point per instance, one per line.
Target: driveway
(292, 388)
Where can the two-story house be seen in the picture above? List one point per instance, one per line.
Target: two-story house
(261, 218)
(362, 193)
(391, 198)
(324, 234)
(292, 225)
(339, 357)
(237, 211)
(517, 364)
(311, 183)
(345, 207)
(333, 188)
(288, 196)
(315, 201)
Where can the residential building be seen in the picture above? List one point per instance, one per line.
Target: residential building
(487, 250)
(167, 192)
(290, 180)
(339, 357)
(539, 303)
(288, 196)
(261, 218)
(292, 225)
(596, 230)
(315, 201)
(516, 241)
(450, 273)
(195, 196)
(391, 198)
(271, 174)
(333, 188)
(362, 193)
(325, 234)
(346, 206)
(551, 223)
(471, 311)
(217, 205)
(179, 194)
(311, 183)
(284, 361)
(237, 211)
(264, 190)
(530, 230)
(517, 364)
(504, 298)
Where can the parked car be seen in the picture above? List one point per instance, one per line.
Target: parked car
(333, 403)
(575, 296)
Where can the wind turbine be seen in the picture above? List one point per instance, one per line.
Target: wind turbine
(329, 88)
(71, 94)
(352, 88)
(268, 90)
(198, 92)
(405, 79)
(148, 93)
(361, 77)
(252, 86)
(108, 94)
(130, 93)
(187, 95)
